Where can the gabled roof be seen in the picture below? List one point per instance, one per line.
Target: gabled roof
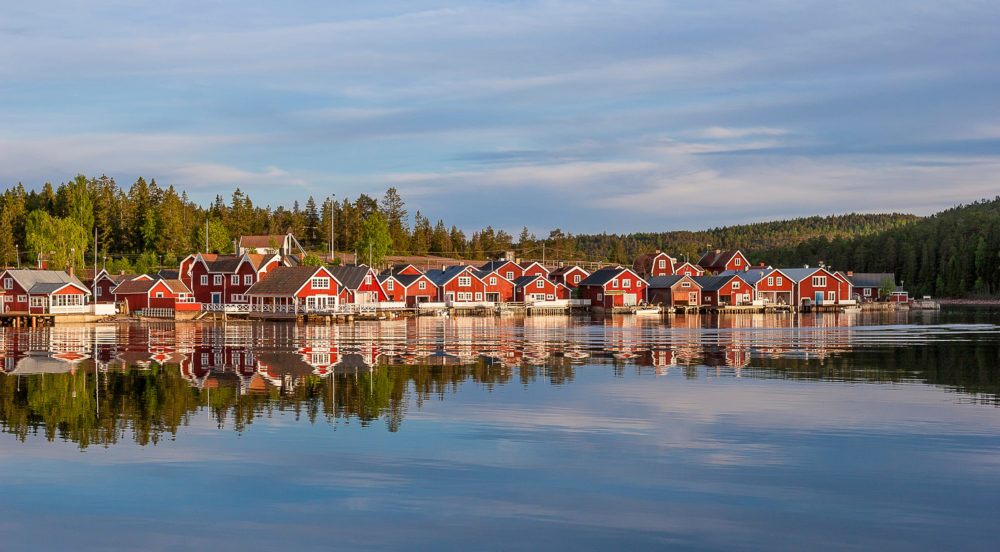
(285, 280)
(408, 280)
(525, 267)
(484, 274)
(715, 283)
(176, 285)
(497, 265)
(399, 267)
(350, 277)
(718, 258)
(679, 265)
(133, 287)
(442, 277)
(799, 274)
(871, 279)
(527, 279)
(644, 263)
(44, 282)
(602, 276)
(562, 270)
(669, 281)
(168, 274)
(262, 242)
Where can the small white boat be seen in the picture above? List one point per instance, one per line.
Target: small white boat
(647, 310)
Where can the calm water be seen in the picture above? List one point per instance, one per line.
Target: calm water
(756, 432)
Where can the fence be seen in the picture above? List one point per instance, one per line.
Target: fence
(157, 313)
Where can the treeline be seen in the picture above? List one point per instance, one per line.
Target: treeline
(954, 253)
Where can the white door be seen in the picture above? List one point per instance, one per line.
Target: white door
(630, 299)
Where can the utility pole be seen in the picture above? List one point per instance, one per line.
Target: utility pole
(206, 234)
(369, 254)
(95, 275)
(17, 254)
(543, 253)
(333, 211)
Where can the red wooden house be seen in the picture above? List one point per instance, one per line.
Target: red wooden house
(359, 284)
(314, 287)
(394, 288)
(402, 268)
(728, 290)
(507, 269)
(814, 285)
(868, 285)
(674, 290)
(43, 292)
(533, 268)
(498, 288)
(845, 289)
(106, 282)
(658, 263)
(419, 289)
(772, 286)
(563, 291)
(570, 275)
(613, 287)
(153, 294)
(688, 269)
(458, 284)
(532, 288)
(719, 261)
(226, 278)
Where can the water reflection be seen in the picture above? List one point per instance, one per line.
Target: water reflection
(102, 384)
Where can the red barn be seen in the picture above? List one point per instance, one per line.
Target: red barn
(226, 278)
(868, 285)
(729, 290)
(719, 261)
(570, 275)
(648, 265)
(534, 268)
(531, 288)
(613, 287)
(458, 284)
(688, 269)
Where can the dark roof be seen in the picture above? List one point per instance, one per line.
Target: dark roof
(526, 279)
(871, 279)
(713, 283)
(799, 274)
(643, 264)
(130, 287)
(169, 274)
(667, 281)
(483, 274)
(751, 276)
(602, 276)
(565, 269)
(43, 281)
(717, 258)
(441, 277)
(408, 279)
(399, 267)
(350, 277)
(283, 280)
(224, 263)
(495, 265)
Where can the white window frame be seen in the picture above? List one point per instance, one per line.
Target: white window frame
(464, 281)
(868, 292)
(22, 298)
(234, 280)
(248, 279)
(319, 283)
(8, 283)
(663, 263)
(600, 297)
(539, 284)
(685, 284)
(368, 279)
(736, 284)
(479, 296)
(819, 281)
(738, 261)
(204, 279)
(777, 280)
(770, 280)
(159, 295)
(217, 280)
(831, 296)
(627, 283)
(576, 278)
(98, 292)
(493, 280)
(510, 274)
(421, 285)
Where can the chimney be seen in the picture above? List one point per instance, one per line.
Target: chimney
(657, 251)
(805, 266)
(717, 251)
(70, 271)
(850, 273)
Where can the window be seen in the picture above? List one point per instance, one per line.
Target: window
(599, 297)
(464, 296)
(239, 298)
(777, 280)
(247, 279)
(368, 279)
(321, 283)
(539, 284)
(217, 280)
(614, 283)
(479, 296)
(8, 283)
(819, 281)
(868, 292)
(550, 297)
(626, 283)
(770, 280)
(737, 261)
(98, 291)
(234, 280)
(493, 280)
(204, 358)
(464, 281)
(8, 299)
(510, 274)
(663, 263)
(736, 284)
(831, 295)
(159, 295)
(204, 279)
(389, 285)
(422, 285)
(22, 298)
(576, 278)
(685, 283)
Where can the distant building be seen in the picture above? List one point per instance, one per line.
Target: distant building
(658, 263)
(271, 244)
(719, 261)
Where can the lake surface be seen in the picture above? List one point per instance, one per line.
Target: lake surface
(777, 432)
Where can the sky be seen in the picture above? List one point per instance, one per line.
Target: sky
(612, 116)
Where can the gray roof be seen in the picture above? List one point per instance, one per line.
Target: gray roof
(441, 277)
(751, 276)
(602, 276)
(525, 280)
(871, 279)
(285, 280)
(668, 281)
(39, 282)
(495, 265)
(408, 279)
(799, 274)
(714, 283)
(350, 277)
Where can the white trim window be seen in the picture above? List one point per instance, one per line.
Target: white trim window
(368, 279)
(8, 283)
(239, 298)
(217, 280)
(663, 263)
(777, 280)
(539, 284)
(421, 285)
(770, 280)
(493, 280)
(204, 279)
(599, 297)
(738, 261)
(465, 296)
(685, 284)
(98, 292)
(464, 281)
(831, 295)
(234, 280)
(819, 281)
(22, 298)
(736, 284)
(248, 279)
(159, 295)
(614, 283)
(626, 283)
(479, 296)
(868, 292)
(389, 285)
(510, 274)
(576, 278)
(320, 283)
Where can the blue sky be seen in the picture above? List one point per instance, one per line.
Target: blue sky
(588, 116)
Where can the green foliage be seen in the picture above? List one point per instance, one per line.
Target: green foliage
(62, 240)
(375, 241)
(886, 287)
(218, 237)
(312, 260)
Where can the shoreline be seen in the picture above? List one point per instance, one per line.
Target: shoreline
(969, 302)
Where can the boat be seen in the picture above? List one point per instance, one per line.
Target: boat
(647, 310)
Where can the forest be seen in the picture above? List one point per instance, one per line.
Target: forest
(144, 226)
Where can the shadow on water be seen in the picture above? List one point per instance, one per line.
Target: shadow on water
(101, 385)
